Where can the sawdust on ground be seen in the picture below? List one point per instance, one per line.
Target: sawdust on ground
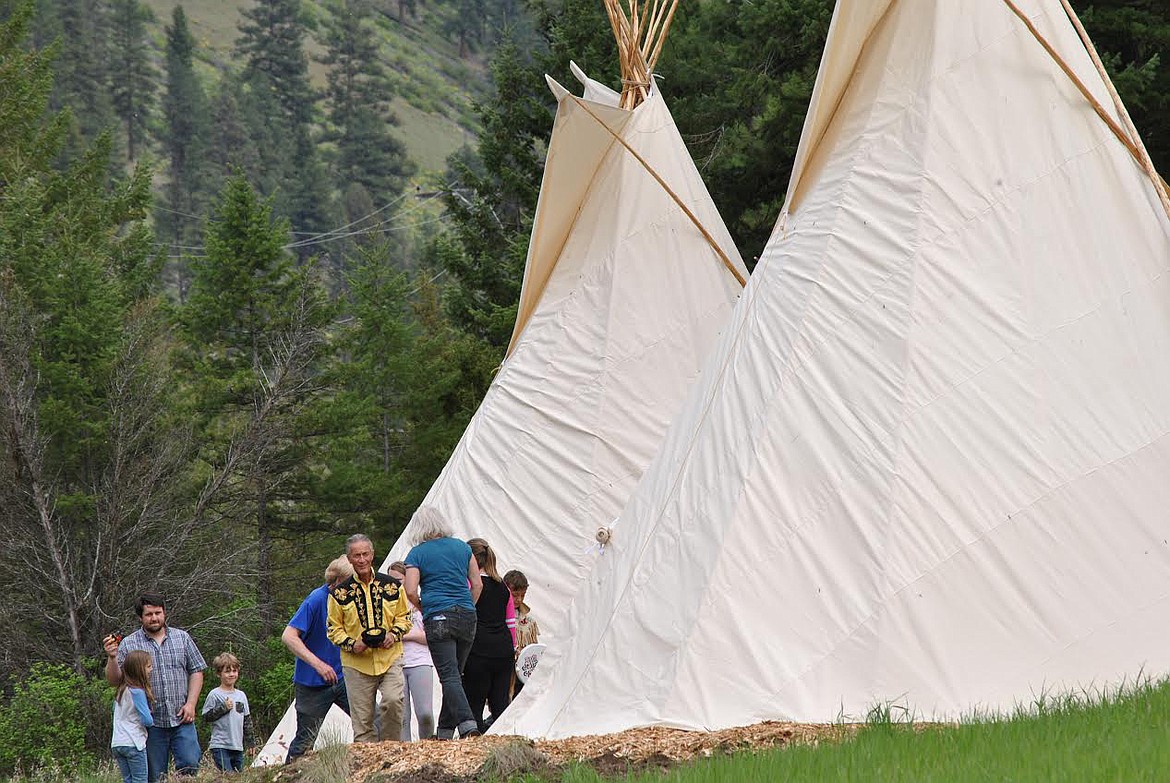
(645, 748)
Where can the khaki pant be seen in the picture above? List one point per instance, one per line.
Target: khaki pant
(362, 691)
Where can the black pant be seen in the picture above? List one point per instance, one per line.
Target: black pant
(486, 681)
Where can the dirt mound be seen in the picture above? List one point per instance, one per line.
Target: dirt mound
(610, 754)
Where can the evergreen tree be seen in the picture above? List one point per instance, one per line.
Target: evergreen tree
(92, 458)
(82, 82)
(741, 104)
(231, 147)
(272, 42)
(1133, 39)
(359, 96)
(467, 25)
(255, 333)
(184, 139)
(133, 78)
(276, 68)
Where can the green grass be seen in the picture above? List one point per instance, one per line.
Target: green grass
(1093, 737)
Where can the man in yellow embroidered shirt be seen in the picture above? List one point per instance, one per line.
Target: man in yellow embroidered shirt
(368, 616)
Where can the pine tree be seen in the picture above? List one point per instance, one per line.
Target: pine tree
(255, 333)
(133, 77)
(184, 139)
(493, 200)
(231, 149)
(741, 104)
(92, 459)
(359, 96)
(82, 83)
(272, 42)
(276, 68)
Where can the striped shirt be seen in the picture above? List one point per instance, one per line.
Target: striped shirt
(176, 659)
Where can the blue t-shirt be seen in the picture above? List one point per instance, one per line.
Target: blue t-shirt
(442, 566)
(311, 620)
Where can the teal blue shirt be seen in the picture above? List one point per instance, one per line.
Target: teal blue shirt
(442, 566)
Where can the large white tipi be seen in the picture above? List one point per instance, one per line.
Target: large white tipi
(928, 463)
(630, 278)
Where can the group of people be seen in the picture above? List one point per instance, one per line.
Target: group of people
(443, 609)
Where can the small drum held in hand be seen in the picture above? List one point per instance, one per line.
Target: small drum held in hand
(526, 661)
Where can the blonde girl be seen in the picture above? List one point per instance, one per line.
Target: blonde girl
(132, 717)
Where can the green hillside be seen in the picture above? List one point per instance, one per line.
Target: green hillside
(436, 87)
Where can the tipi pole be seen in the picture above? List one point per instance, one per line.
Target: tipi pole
(657, 178)
(1119, 105)
(1159, 184)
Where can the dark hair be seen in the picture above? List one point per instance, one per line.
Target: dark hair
(149, 599)
(515, 580)
(398, 566)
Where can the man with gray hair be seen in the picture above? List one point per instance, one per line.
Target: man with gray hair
(368, 616)
(318, 676)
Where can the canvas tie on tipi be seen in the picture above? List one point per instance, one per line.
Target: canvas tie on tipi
(926, 463)
(630, 279)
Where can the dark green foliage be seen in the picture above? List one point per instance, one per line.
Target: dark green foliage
(83, 421)
(255, 331)
(740, 104)
(83, 68)
(133, 77)
(283, 110)
(359, 96)
(184, 137)
(272, 42)
(1133, 39)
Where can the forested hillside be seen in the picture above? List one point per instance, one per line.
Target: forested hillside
(248, 302)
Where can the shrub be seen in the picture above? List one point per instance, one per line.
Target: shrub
(47, 716)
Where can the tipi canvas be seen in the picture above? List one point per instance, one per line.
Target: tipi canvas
(624, 295)
(928, 463)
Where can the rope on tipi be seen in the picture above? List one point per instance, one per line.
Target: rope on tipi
(640, 29)
(1132, 143)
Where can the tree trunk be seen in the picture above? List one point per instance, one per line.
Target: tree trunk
(264, 566)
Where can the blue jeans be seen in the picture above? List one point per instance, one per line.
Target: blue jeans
(131, 762)
(313, 704)
(449, 637)
(227, 760)
(179, 742)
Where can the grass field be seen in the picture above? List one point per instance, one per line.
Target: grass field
(1098, 738)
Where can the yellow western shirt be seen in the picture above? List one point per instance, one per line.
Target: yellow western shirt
(355, 607)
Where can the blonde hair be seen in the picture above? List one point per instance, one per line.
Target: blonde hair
(429, 524)
(338, 570)
(485, 556)
(225, 660)
(134, 674)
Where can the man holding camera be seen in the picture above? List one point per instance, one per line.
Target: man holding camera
(368, 616)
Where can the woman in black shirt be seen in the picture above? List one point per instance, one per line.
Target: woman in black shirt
(487, 676)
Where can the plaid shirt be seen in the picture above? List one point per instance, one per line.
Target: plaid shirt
(176, 659)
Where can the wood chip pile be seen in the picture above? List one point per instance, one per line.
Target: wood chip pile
(609, 753)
